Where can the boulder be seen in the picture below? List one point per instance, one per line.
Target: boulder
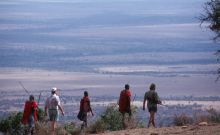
(203, 124)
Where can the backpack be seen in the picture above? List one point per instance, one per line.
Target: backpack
(81, 115)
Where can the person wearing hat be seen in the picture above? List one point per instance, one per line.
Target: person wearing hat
(152, 99)
(52, 105)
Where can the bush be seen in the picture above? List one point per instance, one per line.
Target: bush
(112, 120)
(214, 116)
(69, 127)
(200, 117)
(180, 120)
(40, 114)
(41, 128)
(97, 127)
(11, 124)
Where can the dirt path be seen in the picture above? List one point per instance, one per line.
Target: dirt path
(212, 129)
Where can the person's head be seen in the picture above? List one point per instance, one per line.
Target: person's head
(31, 98)
(152, 86)
(54, 90)
(127, 87)
(86, 94)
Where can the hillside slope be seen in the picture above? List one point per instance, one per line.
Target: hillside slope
(211, 129)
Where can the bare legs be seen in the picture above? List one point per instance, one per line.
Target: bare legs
(84, 124)
(53, 126)
(123, 120)
(126, 119)
(151, 119)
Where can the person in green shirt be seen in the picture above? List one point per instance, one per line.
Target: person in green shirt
(152, 99)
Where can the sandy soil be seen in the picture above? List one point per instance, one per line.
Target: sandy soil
(211, 129)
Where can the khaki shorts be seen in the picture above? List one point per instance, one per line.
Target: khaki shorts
(53, 114)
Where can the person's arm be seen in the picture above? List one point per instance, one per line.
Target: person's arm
(59, 105)
(45, 108)
(35, 106)
(129, 105)
(90, 108)
(129, 102)
(158, 99)
(119, 98)
(144, 102)
(61, 109)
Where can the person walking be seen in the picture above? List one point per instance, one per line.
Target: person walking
(85, 107)
(30, 114)
(52, 106)
(152, 99)
(125, 103)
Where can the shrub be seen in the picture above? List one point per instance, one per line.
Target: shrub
(40, 114)
(97, 127)
(182, 119)
(69, 127)
(111, 119)
(11, 124)
(214, 115)
(41, 128)
(200, 117)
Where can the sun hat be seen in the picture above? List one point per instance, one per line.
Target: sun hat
(54, 89)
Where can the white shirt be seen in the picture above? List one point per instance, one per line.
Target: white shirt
(52, 102)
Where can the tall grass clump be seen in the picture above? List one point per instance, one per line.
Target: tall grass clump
(182, 119)
(213, 115)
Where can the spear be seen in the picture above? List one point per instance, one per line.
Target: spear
(39, 98)
(24, 88)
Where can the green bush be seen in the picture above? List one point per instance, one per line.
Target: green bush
(111, 119)
(11, 124)
(69, 127)
(40, 114)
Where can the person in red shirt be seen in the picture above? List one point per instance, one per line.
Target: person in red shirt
(85, 108)
(125, 103)
(30, 114)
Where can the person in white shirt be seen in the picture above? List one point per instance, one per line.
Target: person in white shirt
(52, 105)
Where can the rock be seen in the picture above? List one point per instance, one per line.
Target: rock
(203, 124)
(184, 127)
(154, 134)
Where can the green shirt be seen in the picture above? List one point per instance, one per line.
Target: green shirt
(152, 98)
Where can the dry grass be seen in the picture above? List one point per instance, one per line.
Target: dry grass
(182, 119)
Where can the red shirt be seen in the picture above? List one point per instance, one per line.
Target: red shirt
(124, 101)
(85, 104)
(27, 110)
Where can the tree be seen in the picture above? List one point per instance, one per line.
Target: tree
(212, 17)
